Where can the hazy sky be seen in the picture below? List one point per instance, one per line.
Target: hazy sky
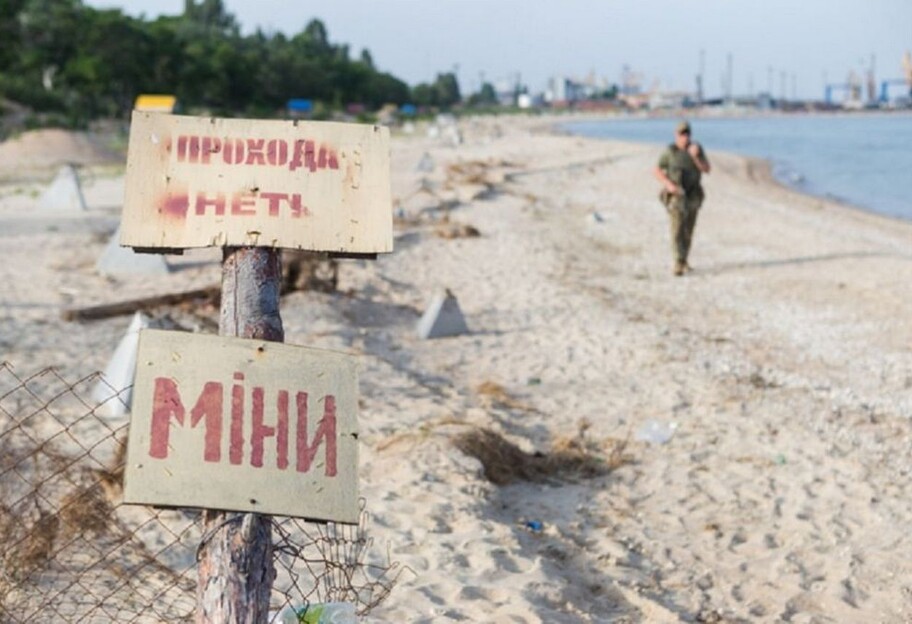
(801, 40)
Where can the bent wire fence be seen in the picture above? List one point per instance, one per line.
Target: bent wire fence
(73, 552)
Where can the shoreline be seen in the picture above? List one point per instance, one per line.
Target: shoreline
(763, 362)
(772, 163)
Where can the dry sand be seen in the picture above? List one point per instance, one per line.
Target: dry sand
(781, 368)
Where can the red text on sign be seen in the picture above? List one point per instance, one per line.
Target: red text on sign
(297, 154)
(248, 429)
(241, 204)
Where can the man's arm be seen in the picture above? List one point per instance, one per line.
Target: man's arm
(662, 177)
(699, 157)
(660, 173)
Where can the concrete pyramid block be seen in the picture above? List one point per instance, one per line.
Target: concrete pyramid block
(426, 164)
(114, 392)
(116, 260)
(442, 318)
(64, 194)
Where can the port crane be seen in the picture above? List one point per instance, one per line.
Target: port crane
(905, 80)
(852, 87)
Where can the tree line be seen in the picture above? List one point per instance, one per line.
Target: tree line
(63, 58)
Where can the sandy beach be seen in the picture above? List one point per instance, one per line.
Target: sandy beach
(762, 402)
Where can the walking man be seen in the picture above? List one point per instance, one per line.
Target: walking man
(679, 171)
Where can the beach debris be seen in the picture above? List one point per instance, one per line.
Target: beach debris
(426, 164)
(442, 318)
(115, 260)
(656, 431)
(403, 219)
(453, 136)
(490, 173)
(309, 270)
(445, 127)
(113, 392)
(319, 613)
(535, 526)
(596, 217)
(426, 185)
(64, 193)
(456, 230)
(477, 179)
(495, 395)
(504, 462)
(428, 197)
(533, 381)
(467, 193)
(758, 380)
(422, 433)
(197, 298)
(86, 511)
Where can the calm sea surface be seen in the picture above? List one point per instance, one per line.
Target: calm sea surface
(864, 160)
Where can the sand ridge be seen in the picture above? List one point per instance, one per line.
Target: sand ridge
(35, 152)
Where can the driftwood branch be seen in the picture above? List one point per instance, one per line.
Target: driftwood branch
(210, 295)
(300, 271)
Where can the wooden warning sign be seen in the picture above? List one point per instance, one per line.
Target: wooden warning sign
(244, 425)
(207, 182)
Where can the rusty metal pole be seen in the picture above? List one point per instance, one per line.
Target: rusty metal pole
(235, 570)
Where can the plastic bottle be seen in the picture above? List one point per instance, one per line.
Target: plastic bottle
(321, 613)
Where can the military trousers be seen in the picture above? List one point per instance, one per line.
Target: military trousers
(682, 210)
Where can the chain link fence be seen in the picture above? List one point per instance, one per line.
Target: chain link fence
(74, 553)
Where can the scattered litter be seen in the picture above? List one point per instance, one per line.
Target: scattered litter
(535, 526)
(426, 164)
(656, 432)
(533, 381)
(453, 136)
(494, 394)
(319, 613)
(309, 270)
(456, 230)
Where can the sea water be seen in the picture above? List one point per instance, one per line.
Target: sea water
(860, 159)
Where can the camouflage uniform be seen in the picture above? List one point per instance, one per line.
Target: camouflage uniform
(680, 168)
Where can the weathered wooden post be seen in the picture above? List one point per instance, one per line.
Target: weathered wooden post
(235, 571)
(232, 424)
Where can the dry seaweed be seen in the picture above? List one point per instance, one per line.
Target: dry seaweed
(504, 462)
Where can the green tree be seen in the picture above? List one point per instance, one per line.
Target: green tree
(486, 96)
(443, 93)
(446, 90)
(9, 32)
(210, 15)
(49, 33)
(59, 55)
